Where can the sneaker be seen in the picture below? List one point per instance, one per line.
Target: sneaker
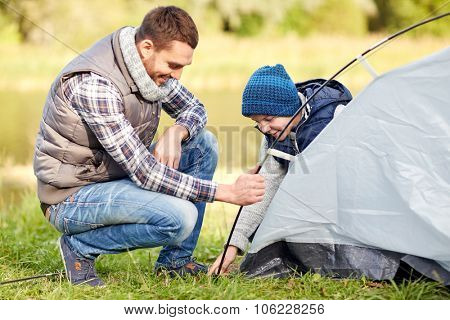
(78, 270)
(192, 268)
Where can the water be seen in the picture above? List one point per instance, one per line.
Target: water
(20, 113)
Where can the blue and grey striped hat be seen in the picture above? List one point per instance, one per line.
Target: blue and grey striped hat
(270, 91)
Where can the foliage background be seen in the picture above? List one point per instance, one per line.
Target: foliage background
(73, 21)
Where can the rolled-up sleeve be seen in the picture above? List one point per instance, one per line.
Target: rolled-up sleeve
(183, 106)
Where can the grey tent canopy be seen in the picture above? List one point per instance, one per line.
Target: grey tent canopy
(372, 192)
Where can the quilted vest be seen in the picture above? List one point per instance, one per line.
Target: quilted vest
(67, 153)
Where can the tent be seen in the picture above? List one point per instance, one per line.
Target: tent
(371, 194)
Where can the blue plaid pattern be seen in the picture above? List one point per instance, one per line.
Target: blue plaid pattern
(99, 103)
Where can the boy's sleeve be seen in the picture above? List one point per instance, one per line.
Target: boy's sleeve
(251, 216)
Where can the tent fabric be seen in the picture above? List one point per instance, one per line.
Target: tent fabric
(377, 178)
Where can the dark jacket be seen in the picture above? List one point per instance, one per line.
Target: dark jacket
(323, 106)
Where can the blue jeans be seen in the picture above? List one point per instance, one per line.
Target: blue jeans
(117, 216)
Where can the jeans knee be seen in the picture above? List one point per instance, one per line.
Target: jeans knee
(211, 146)
(185, 223)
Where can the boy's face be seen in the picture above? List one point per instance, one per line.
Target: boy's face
(273, 125)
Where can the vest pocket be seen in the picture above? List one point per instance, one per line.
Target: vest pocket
(74, 226)
(101, 167)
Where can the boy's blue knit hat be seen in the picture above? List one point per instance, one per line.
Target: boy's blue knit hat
(270, 91)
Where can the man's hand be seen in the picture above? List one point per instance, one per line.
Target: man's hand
(168, 148)
(248, 189)
(229, 258)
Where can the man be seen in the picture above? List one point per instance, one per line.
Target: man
(100, 181)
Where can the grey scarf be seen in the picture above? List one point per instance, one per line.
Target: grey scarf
(147, 87)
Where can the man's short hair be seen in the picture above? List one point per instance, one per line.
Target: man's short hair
(165, 24)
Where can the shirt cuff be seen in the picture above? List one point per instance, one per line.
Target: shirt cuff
(206, 191)
(192, 131)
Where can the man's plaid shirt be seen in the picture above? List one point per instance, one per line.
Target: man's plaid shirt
(99, 103)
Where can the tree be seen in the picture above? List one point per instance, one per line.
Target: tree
(31, 17)
(251, 16)
(395, 15)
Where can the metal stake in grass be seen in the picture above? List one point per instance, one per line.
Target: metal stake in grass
(47, 275)
(372, 48)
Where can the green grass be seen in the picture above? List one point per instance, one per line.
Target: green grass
(28, 247)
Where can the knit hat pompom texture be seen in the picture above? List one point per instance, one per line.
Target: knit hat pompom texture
(270, 91)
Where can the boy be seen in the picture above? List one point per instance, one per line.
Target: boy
(270, 99)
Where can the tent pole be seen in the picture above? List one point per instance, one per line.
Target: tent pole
(47, 275)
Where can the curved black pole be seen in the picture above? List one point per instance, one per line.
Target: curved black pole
(373, 47)
(47, 275)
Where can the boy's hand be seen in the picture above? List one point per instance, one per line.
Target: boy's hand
(229, 258)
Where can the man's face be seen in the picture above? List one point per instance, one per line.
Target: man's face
(274, 125)
(165, 63)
